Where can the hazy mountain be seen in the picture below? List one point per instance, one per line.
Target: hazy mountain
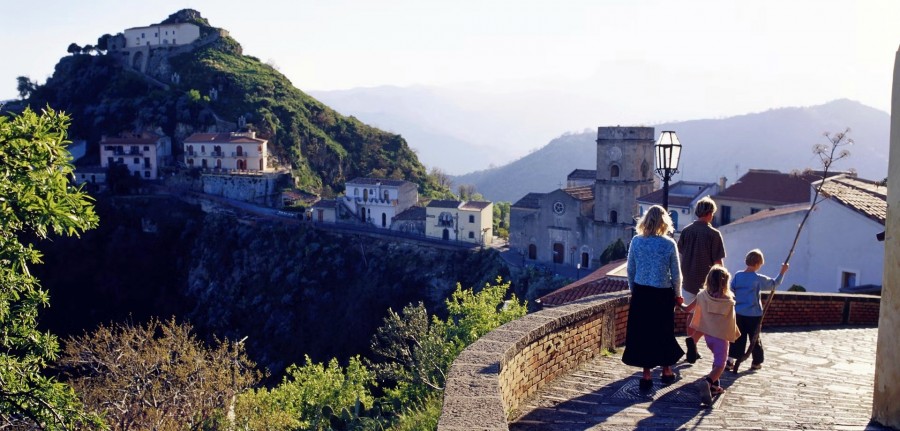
(779, 139)
(456, 129)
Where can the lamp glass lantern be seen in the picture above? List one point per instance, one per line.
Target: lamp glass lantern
(668, 154)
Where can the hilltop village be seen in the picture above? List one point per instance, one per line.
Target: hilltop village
(583, 226)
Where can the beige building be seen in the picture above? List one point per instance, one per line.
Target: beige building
(161, 35)
(226, 152)
(142, 154)
(460, 221)
(324, 211)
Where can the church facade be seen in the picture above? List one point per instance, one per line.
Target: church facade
(574, 225)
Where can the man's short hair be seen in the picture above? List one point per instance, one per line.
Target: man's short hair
(754, 257)
(705, 206)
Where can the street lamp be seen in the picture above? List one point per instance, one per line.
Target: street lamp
(668, 152)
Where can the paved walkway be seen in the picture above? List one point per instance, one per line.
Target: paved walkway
(813, 378)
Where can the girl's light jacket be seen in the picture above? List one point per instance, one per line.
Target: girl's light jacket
(715, 316)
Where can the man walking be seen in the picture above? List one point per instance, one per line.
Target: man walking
(700, 246)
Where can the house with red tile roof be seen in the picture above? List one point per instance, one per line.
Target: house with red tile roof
(838, 247)
(611, 277)
(761, 189)
(234, 152)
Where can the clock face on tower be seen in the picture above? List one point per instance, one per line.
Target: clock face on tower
(559, 208)
(614, 153)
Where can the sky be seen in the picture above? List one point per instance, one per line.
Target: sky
(600, 61)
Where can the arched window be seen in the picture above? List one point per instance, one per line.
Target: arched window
(614, 171)
(218, 163)
(203, 149)
(383, 220)
(190, 150)
(532, 251)
(645, 170)
(613, 216)
(471, 235)
(240, 151)
(190, 162)
(386, 195)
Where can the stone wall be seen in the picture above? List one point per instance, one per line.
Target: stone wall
(492, 377)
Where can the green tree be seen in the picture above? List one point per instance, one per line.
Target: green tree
(308, 397)
(37, 200)
(501, 219)
(25, 86)
(156, 376)
(614, 251)
(103, 42)
(419, 349)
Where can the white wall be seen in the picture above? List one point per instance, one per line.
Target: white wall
(834, 239)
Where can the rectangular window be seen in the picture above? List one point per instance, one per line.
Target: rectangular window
(726, 214)
(471, 218)
(848, 279)
(146, 174)
(137, 160)
(142, 35)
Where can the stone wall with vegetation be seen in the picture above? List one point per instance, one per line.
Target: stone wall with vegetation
(493, 376)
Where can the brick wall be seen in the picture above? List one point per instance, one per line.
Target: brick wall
(490, 379)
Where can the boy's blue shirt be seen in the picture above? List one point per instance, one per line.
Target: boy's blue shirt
(747, 286)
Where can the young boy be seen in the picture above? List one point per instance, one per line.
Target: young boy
(746, 286)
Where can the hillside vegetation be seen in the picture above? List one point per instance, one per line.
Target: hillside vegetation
(321, 147)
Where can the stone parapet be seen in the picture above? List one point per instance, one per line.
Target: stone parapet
(489, 380)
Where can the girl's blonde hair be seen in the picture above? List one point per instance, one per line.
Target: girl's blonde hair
(717, 282)
(655, 222)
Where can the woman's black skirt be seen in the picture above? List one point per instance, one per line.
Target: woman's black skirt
(650, 337)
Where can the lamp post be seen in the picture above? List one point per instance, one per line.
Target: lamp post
(668, 153)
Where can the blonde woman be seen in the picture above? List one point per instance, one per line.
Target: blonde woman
(654, 277)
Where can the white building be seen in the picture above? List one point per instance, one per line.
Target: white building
(162, 35)
(226, 152)
(838, 246)
(376, 201)
(142, 154)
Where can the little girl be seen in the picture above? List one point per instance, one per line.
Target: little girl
(714, 317)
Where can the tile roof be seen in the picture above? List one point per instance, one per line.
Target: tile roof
(865, 197)
(771, 212)
(474, 205)
(325, 203)
(582, 174)
(375, 181)
(531, 200)
(582, 193)
(411, 214)
(771, 187)
(603, 280)
(443, 204)
(226, 138)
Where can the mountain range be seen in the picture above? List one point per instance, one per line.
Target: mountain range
(443, 133)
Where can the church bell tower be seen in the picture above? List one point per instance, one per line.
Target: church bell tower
(624, 173)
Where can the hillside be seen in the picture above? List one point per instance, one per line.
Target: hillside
(209, 89)
(779, 139)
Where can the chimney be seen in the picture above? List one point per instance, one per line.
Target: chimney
(722, 183)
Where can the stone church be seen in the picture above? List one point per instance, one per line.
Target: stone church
(575, 224)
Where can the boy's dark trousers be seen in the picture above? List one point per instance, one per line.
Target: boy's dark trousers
(747, 326)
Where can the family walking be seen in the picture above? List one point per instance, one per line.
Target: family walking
(664, 275)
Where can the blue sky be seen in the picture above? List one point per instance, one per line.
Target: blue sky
(656, 60)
